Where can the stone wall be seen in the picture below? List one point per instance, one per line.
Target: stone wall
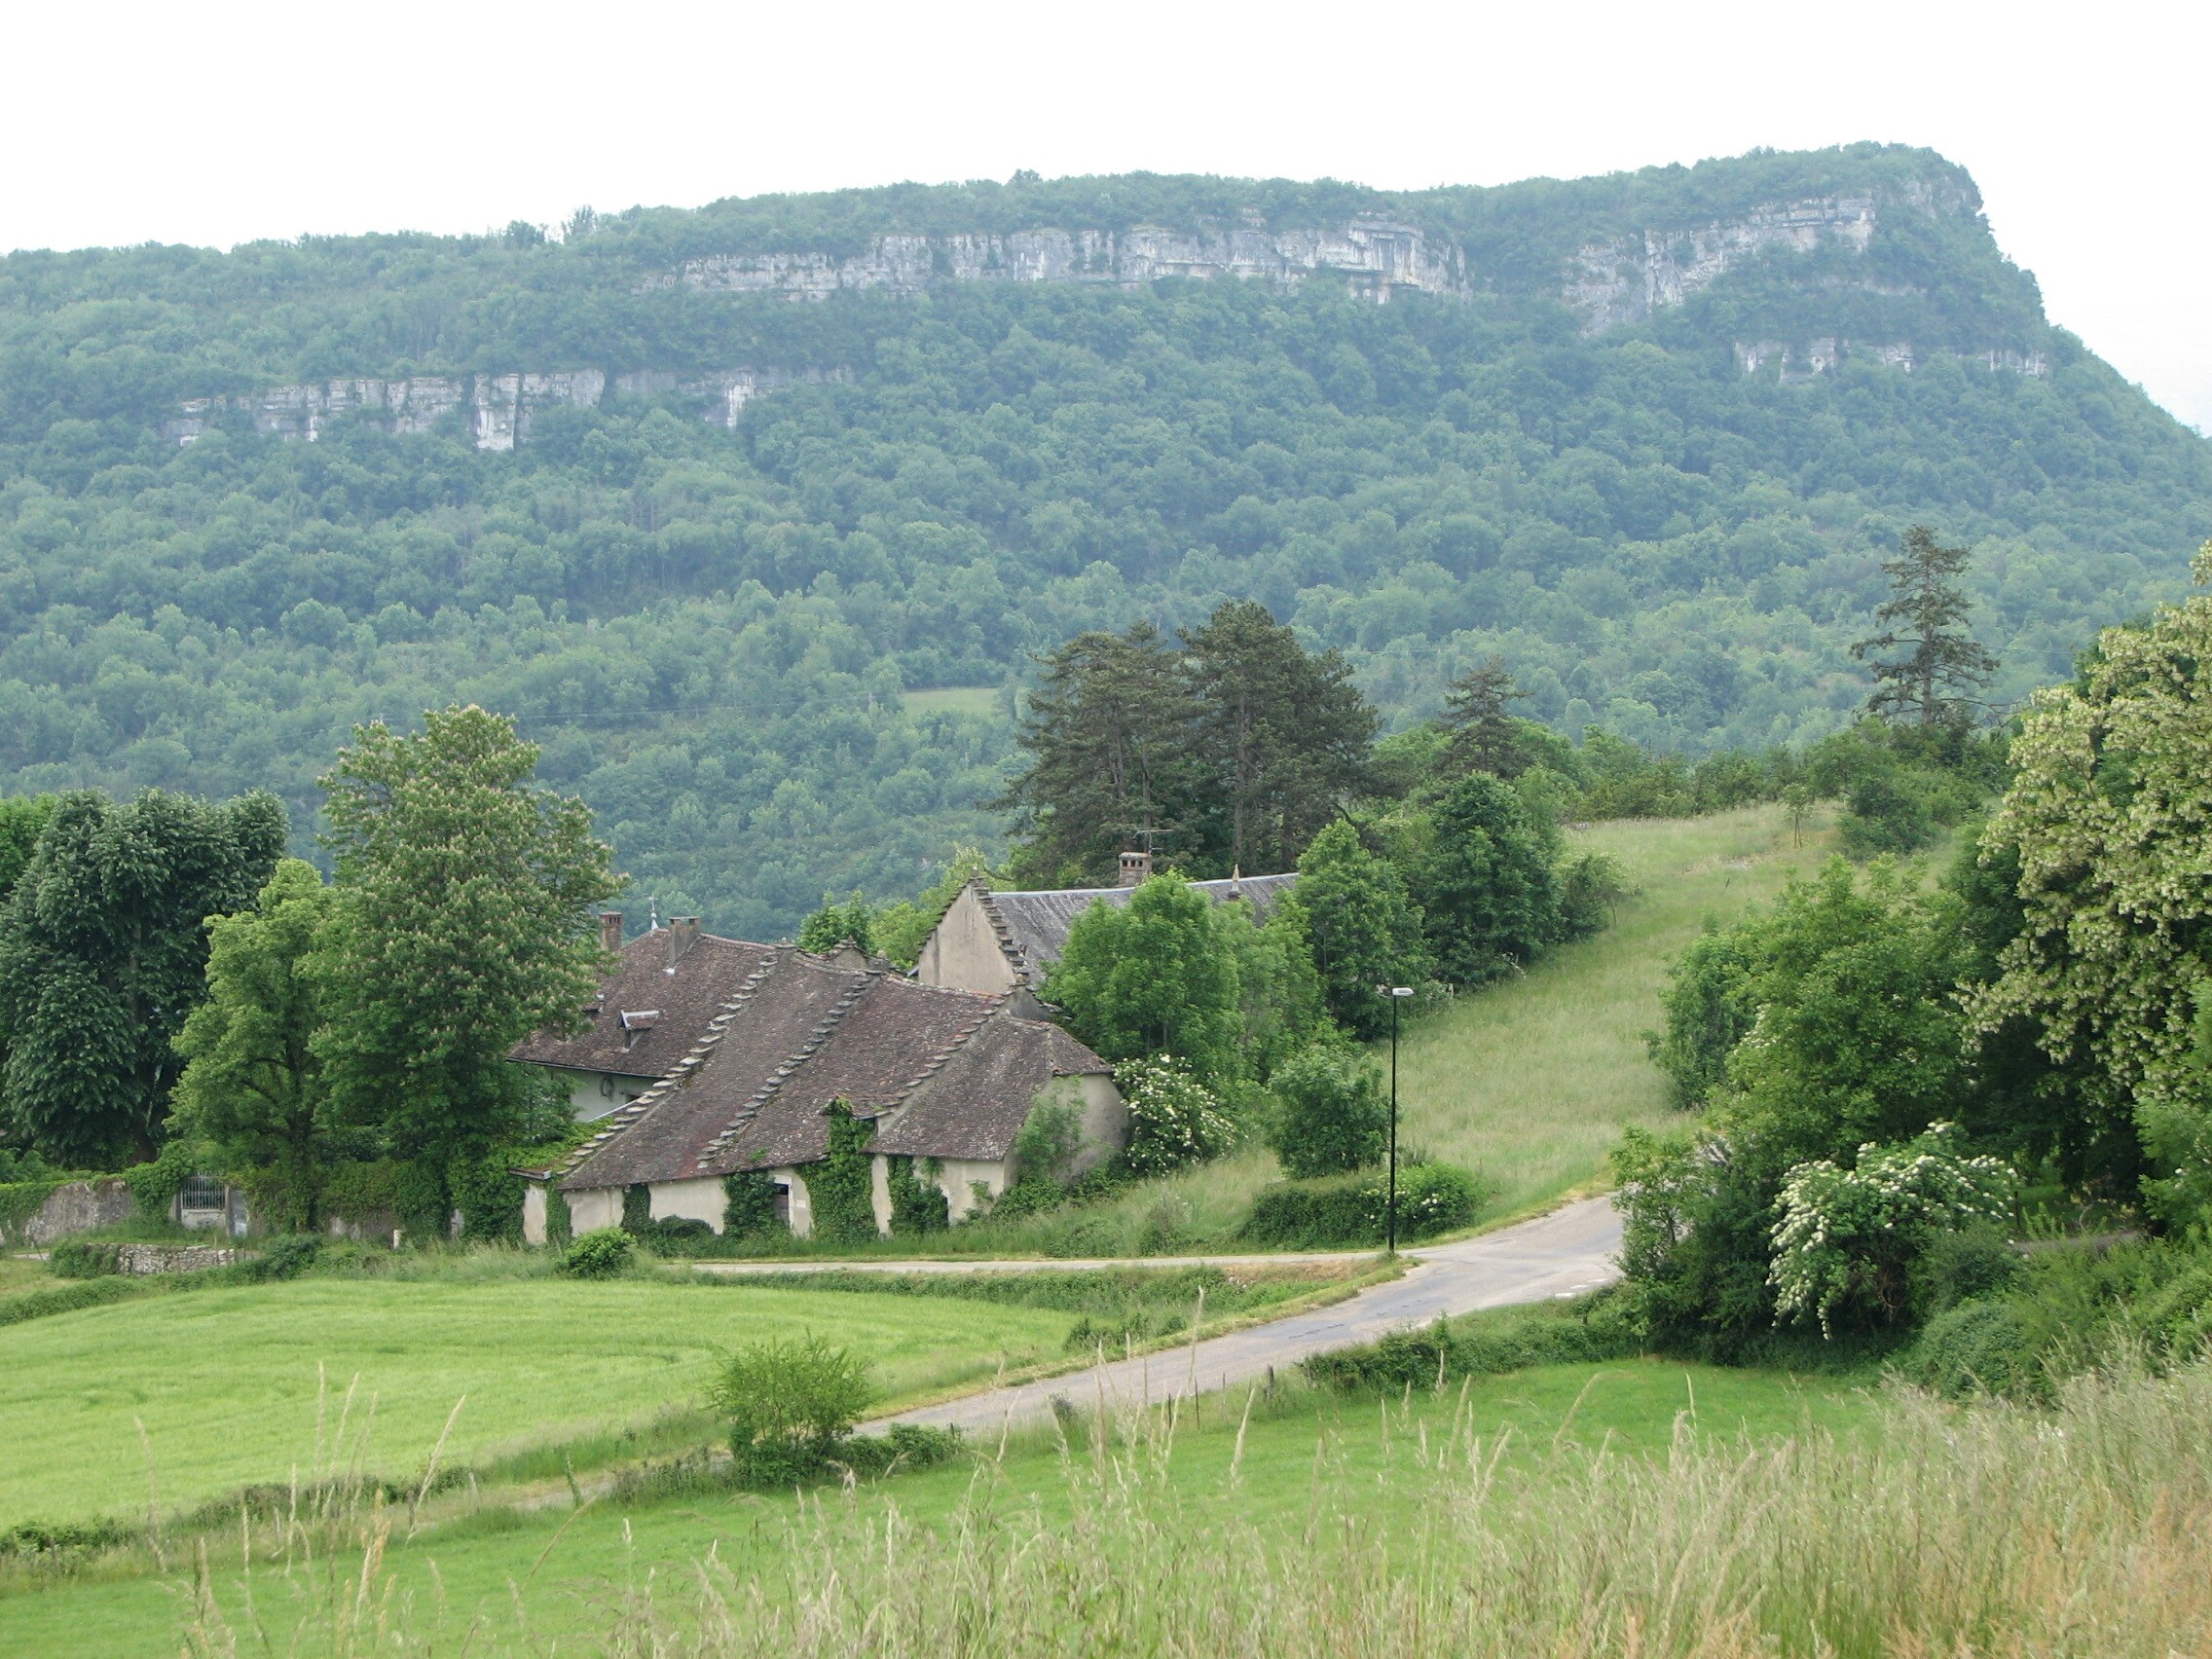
(79, 1206)
(140, 1260)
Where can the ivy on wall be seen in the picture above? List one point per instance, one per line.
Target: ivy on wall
(844, 1204)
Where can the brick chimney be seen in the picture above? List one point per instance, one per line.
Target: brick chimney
(682, 935)
(610, 930)
(1136, 869)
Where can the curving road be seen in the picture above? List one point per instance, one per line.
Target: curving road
(1570, 1249)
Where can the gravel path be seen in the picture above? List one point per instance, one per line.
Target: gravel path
(1568, 1250)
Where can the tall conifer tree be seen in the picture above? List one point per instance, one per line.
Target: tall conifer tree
(1936, 682)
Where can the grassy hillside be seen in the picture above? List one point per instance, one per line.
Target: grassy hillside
(1530, 1081)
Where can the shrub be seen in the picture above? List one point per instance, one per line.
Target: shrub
(1347, 1212)
(907, 1447)
(489, 1195)
(604, 1253)
(1174, 1118)
(1331, 1114)
(153, 1186)
(278, 1258)
(1049, 1141)
(1596, 1327)
(1027, 1196)
(749, 1203)
(789, 1405)
(1850, 1239)
(677, 1236)
(1965, 1264)
(636, 1208)
(917, 1205)
(1982, 1347)
(81, 1258)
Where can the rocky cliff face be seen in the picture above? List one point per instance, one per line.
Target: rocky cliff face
(1374, 257)
(1820, 355)
(1624, 279)
(499, 408)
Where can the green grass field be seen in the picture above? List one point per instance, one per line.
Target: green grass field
(225, 1386)
(1529, 1081)
(1318, 1455)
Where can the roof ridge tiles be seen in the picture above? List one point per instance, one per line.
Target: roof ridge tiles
(863, 980)
(624, 1116)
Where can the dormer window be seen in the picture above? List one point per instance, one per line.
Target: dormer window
(636, 1023)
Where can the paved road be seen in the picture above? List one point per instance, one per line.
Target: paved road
(1568, 1250)
(1050, 1264)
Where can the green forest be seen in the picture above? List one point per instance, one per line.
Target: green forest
(723, 639)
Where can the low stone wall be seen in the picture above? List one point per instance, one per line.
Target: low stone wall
(76, 1206)
(138, 1259)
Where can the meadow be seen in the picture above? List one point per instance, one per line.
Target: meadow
(1350, 1460)
(178, 1398)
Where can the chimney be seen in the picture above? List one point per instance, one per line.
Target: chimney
(1136, 869)
(610, 930)
(682, 935)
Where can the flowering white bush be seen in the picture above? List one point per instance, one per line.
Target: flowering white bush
(1174, 1118)
(1855, 1233)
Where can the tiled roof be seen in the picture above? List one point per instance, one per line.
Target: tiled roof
(646, 1017)
(804, 1031)
(978, 1100)
(1033, 925)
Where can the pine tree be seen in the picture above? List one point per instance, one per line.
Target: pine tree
(1483, 734)
(1284, 735)
(1936, 681)
(1108, 737)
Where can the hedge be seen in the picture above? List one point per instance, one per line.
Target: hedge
(1350, 1212)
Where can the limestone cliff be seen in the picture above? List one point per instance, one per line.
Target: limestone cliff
(1374, 257)
(499, 408)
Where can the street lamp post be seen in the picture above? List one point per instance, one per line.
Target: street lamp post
(1396, 994)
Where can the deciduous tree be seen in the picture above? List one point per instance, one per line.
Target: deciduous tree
(1365, 932)
(464, 923)
(1153, 977)
(103, 952)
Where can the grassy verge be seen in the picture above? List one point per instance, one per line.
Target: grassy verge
(1307, 1455)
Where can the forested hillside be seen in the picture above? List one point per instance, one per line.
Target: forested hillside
(1646, 437)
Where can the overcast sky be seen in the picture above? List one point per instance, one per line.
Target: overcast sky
(224, 123)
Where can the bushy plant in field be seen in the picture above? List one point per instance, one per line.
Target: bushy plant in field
(1979, 1347)
(604, 1253)
(1174, 1118)
(1330, 1113)
(791, 1404)
(1350, 1212)
(1849, 1239)
(81, 1258)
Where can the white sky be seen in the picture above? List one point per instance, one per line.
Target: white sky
(221, 123)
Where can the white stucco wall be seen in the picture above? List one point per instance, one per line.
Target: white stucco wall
(593, 1094)
(879, 1191)
(956, 1179)
(533, 1213)
(699, 1199)
(963, 950)
(802, 1206)
(594, 1207)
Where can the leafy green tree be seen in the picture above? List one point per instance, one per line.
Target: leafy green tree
(1365, 930)
(1278, 988)
(1108, 755)
(1706, 1009)
(1284, 734)
(2107, 820)
(252, 1085)
(1487, 891)
(464, 924)
(22, 818)
(1331, 1114)
(1938, 678)
(836, 922)
(1153, 977)
(103, 952)
(1485, 736)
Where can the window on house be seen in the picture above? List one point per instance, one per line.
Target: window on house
(202, 1193)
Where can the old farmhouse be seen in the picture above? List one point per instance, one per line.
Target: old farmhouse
(946, 1077)
(667, 985)
(1003, 942)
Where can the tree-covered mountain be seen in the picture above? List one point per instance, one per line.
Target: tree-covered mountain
(1646, 437)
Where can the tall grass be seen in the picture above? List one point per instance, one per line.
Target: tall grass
(1992, 1530)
